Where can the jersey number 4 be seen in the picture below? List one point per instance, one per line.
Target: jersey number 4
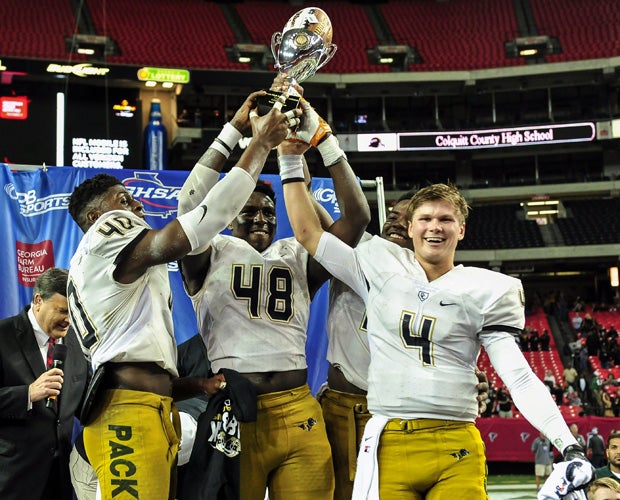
(419, 338)
(278, 304)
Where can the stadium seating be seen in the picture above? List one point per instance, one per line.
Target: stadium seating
(188, 34)
(450, 36)
(578, 228)
(456, 35)
(35, 29)
(352, 31)
(498, 226)
(540, 361)
(586, 30)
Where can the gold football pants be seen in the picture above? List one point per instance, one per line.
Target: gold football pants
(431, 459)
(345, 417)
(132, 444)
(286, 449)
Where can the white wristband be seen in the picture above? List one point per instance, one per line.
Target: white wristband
(331, 151)
(291, 168)
(227, 139)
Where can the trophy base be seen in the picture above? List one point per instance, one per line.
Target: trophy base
(266, 102)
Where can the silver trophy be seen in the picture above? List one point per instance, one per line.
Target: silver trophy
(300, 50)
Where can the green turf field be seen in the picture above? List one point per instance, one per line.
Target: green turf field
(511, 487)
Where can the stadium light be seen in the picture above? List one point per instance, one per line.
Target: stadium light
(614, 278)
(95, 47)
(532, 46)
(398, 57)
(257, 55)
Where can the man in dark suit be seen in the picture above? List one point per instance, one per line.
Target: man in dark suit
(35, 437)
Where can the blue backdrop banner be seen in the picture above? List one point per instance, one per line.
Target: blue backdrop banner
(40, 233)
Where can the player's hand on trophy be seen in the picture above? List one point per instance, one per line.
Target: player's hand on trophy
(273, 127)
(313, 129)
(241, 120)
(282, 84)
(569, 478)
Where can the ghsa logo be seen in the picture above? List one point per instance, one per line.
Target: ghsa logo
(326, 196)
(158, 199)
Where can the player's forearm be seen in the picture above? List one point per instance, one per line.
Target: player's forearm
(254, 157)
(354, 209)
(218, 208)
(206, 171)
(529, 394)
(299, 206)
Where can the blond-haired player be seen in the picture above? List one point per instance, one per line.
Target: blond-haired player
(427, 320)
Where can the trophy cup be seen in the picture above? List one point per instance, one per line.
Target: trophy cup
(300, 50)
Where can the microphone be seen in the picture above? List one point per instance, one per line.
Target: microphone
(58, 359)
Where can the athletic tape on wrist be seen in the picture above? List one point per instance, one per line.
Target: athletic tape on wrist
(226, 140)
(291, 168)
(330, 150)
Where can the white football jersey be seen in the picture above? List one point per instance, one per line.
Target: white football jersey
(424, 336)
(253, 308)
(347, 347)
(347, 335)
(120, 322)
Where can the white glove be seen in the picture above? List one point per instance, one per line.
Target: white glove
(312, 128)
(567, 480)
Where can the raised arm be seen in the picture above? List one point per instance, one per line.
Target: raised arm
(354, 209)
(197, 227)
(203, 177)
(206, 171)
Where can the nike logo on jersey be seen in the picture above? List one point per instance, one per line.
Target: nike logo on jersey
(204, 212)
(442, 303)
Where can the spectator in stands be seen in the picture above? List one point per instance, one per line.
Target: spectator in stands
(612, 452)
(558, 394)
(608, 410)
(545, 340)
(579, 305)
(616, 405)
(610, 380)
(503, 403)
(596, 448)
(604, 356)
(534, 340)
(570, 376)
(549, 378)
(543, 458)
(524, 340)
(576, 322)
(583, 360)
(572, 396)
(581, 441)
(605, 488)
(489, 402)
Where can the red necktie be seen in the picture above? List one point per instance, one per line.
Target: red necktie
(50, 352)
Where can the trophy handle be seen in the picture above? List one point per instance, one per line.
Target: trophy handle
(276, 40)
(327, 55)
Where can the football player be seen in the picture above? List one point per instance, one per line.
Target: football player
(427, 320)
(252, 299)
(343, 398)
(119, 300)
